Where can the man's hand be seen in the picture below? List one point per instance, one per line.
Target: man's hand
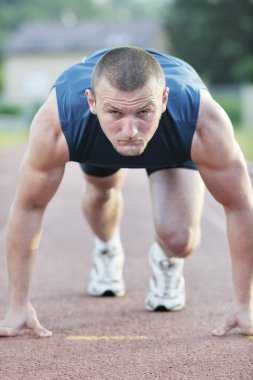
(19, 320)
(240, 317)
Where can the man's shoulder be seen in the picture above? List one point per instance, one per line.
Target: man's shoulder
(179, 74)
(70, 92)
(76, 75)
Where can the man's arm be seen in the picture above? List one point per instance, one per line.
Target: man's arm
(39, 177)
(224, 171)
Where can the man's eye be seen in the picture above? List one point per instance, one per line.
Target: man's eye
(114, 112)
(143, 112)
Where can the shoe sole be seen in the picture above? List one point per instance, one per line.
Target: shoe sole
(162, 308)
(107, 293)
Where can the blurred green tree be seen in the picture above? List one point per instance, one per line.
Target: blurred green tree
(215, 36)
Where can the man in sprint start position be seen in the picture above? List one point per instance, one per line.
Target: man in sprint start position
(131, 108)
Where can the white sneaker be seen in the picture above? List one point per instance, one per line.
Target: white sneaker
(167, 285)
(106, 273)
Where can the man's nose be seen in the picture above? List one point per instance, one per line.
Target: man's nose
(129, 128)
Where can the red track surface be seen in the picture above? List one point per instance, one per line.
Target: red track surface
(177, 345)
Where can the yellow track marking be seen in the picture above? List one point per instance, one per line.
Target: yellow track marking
(109, 337)
(250, 336)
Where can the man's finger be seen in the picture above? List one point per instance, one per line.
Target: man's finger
(8, 331)
(42, 332)
(247, 330)
(34, 325)
(38, 329)
(223, 330)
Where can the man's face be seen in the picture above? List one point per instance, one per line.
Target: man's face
(128, 119)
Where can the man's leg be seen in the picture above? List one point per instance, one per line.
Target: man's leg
(177, 200)
(102, 205)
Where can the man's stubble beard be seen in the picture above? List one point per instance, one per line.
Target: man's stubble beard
(129, 153)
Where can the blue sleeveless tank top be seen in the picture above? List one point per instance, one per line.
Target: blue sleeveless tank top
(171, 143)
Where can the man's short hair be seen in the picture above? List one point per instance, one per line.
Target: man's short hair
(127, 68)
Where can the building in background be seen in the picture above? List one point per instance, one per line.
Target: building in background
(36, 54)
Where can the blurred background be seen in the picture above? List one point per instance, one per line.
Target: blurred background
(40, 38)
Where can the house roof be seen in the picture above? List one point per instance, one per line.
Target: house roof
(87, 35)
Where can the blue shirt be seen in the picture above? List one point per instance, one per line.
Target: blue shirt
(171, 143)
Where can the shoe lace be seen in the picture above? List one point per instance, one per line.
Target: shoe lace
(107, 264)
(166, 281)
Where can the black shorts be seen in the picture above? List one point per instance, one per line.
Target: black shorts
(99, 171)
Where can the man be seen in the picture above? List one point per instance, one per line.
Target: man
(140, 109)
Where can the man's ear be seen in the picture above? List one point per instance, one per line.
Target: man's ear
(165, 98)
(91, 101)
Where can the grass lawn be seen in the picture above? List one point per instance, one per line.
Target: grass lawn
(245, 140)
(12, 137)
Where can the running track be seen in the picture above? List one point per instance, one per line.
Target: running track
(113, 338)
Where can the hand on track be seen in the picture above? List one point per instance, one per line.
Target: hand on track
(240, 317)
(21, 319)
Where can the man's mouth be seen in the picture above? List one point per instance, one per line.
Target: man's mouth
(132, 147)
(124, 142)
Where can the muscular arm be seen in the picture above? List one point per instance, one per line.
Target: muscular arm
(39, 177)
(223, 169)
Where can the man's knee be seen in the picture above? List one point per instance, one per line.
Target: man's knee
(179, 242)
